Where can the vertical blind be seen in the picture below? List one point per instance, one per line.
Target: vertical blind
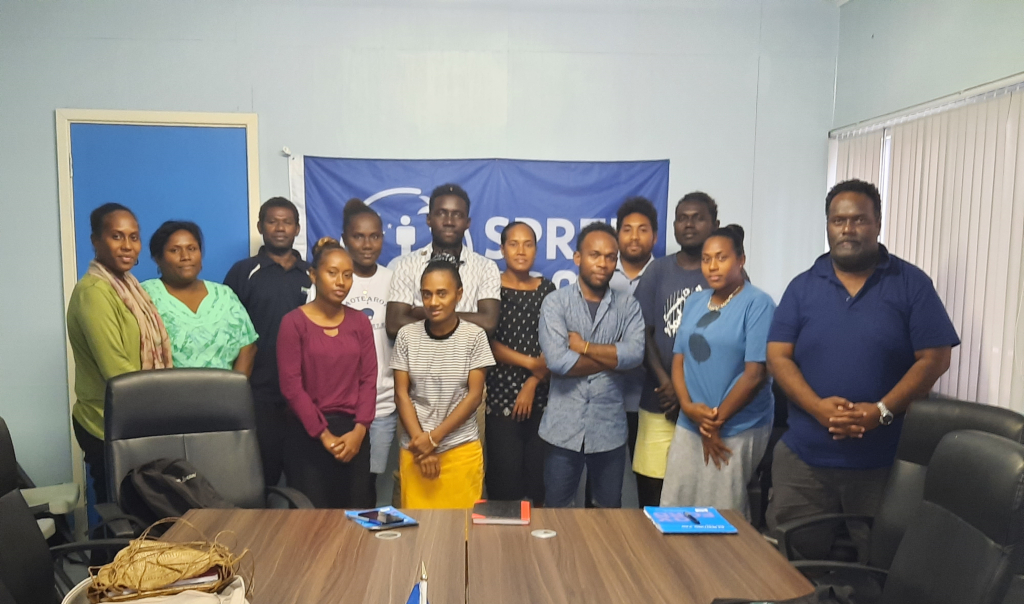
(860, 157)
(953, 195)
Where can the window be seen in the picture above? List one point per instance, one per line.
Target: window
(952, 184)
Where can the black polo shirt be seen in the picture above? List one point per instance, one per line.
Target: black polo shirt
(268, 292)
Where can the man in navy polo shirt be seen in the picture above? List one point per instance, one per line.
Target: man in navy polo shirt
(854, 340)
(270, 285)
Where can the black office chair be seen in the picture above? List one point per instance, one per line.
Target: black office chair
(27, 565)
(204, 416)
(965, 542)
(761, 480)
(1015, 593)
(925, 424)
(49, 504)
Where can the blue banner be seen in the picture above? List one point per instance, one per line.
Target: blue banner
(556, 198)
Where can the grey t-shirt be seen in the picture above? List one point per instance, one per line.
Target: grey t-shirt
(662, 292)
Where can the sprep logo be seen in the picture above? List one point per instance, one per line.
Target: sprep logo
(403, 212)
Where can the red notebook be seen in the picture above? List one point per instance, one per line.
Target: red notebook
(501, 512)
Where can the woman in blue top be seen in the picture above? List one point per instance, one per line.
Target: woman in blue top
(723, 386)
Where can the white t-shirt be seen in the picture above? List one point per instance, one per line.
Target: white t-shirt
(481, 279)
(439, 375)
(370, 295)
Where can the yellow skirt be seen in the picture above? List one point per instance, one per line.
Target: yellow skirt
(459, 485)
(654, 435)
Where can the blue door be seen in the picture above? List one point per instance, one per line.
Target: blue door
(196, 173)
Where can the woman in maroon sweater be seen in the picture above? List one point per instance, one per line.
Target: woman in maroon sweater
(328, 369)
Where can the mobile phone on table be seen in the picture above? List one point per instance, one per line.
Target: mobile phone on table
(380, 518)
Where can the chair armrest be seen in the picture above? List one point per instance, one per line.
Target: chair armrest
(59, 552)
(122, 525)
(41, 509)
(783, 533)
(809, 567)
(84, 546)
(294, 498)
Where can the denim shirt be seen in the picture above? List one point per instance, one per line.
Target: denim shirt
(586, 413)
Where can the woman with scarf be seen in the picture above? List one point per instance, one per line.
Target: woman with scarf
(113, 328)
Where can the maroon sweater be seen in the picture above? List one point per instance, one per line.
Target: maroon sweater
(324, 374)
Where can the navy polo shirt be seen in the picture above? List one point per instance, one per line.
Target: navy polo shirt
(857, 347)
(268, 292)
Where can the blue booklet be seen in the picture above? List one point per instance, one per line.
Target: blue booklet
(688, 520)
(379, 519)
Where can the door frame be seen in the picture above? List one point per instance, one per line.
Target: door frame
(65, 192)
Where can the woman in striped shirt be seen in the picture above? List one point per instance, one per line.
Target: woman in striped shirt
(439, 365)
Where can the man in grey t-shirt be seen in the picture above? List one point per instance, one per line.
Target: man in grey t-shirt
(662, 292)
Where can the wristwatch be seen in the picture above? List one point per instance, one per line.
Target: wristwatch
(885, 416)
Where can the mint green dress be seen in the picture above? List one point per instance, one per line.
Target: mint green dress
(209, 337)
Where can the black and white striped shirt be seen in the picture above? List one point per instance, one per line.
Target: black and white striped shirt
(438, 371)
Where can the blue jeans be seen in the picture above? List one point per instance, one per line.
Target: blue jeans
(563, 468)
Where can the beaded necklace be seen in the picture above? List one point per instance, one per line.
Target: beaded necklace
(718, 307)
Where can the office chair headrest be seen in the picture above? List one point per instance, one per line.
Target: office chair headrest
(177, 401)
(927, 421)
(980, 478)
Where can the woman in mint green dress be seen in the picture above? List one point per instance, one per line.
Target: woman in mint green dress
(207, 323)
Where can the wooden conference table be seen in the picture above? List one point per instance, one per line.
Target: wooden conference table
(597, 556)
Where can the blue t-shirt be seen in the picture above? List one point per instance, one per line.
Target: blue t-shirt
(857, 347)
(716, 347)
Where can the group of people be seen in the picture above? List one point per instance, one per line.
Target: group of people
(666, 363)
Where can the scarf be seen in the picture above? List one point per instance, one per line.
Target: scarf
(156, 344)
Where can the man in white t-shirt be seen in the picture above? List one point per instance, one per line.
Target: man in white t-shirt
(448, 220)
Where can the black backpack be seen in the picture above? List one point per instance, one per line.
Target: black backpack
(164, 488)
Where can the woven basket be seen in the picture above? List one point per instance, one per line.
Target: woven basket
(148, 568)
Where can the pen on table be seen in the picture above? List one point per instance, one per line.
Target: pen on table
(691, 517)
(423, 583)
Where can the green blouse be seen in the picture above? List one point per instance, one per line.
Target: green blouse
(210, 337)
(105, 340)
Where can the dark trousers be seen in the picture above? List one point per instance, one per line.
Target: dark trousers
(95, 459)
(800, 490)
(563, 468)
(515, 459)
(271, 418)
(311, 469)
(632, 425)
(648, 490)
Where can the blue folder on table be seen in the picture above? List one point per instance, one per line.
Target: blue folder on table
(695, 520)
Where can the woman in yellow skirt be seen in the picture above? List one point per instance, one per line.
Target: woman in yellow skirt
(439, 365)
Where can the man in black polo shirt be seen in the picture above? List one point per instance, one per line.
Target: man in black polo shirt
(270, 285)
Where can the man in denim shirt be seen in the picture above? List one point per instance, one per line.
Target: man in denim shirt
(590, 335)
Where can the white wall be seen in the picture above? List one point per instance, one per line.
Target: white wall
(737, 94)
(894, 55)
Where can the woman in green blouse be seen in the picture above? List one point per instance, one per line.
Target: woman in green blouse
(113, 328)
(207, 323)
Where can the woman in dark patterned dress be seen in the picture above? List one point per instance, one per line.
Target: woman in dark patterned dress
(517, 387)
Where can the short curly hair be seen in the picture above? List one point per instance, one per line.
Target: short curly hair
(856, 186)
